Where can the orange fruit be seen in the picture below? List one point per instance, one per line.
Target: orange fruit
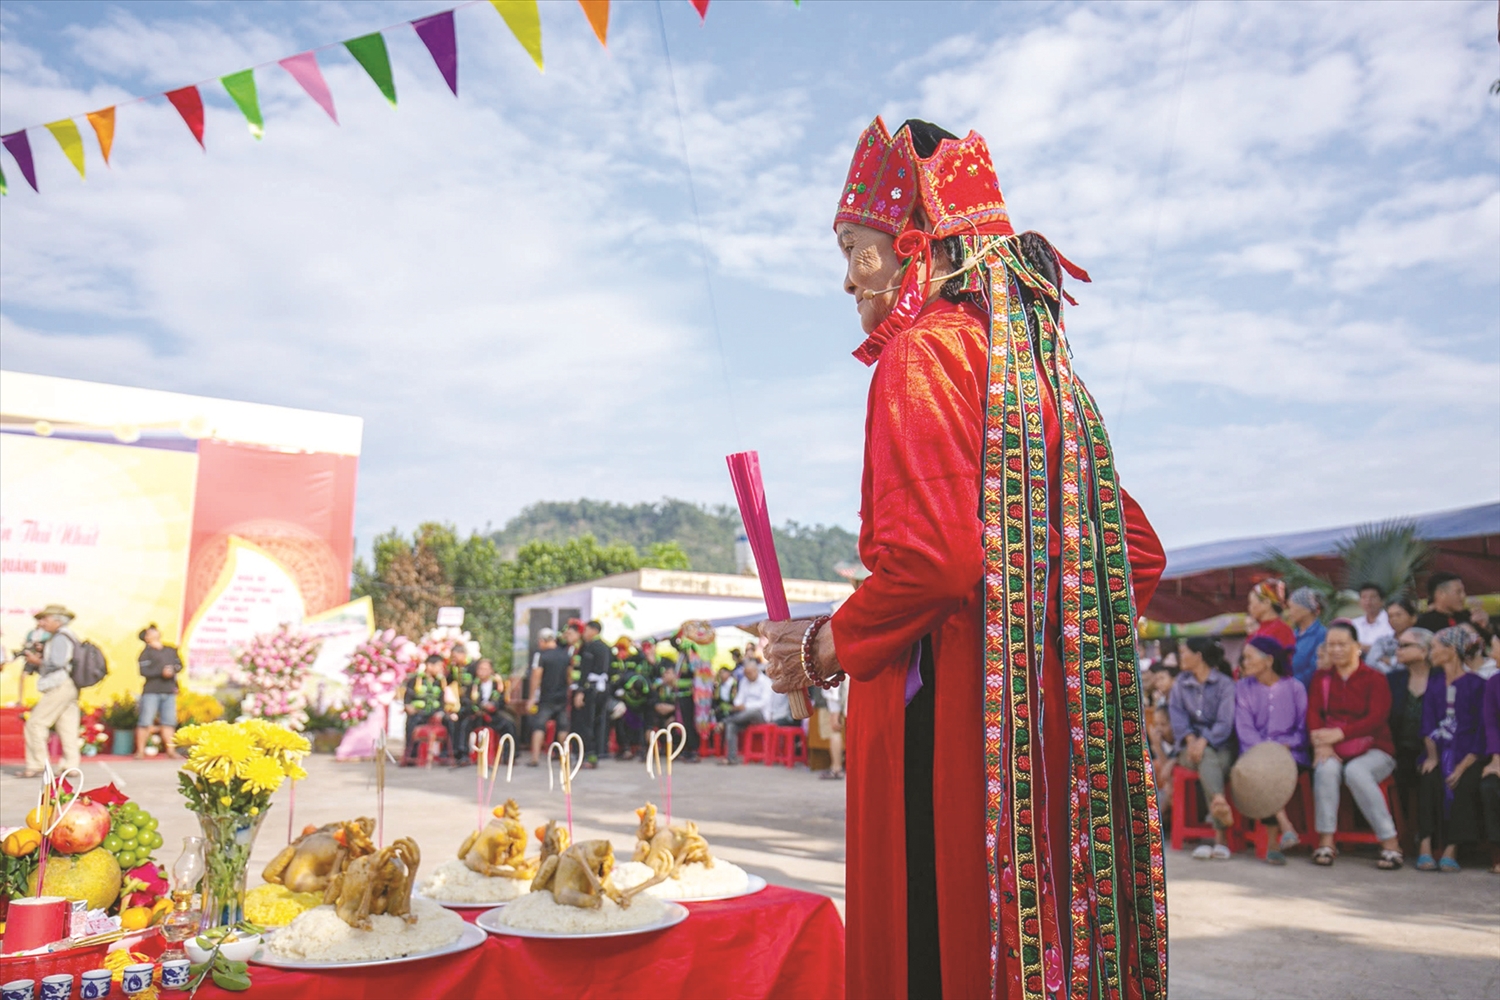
(135, 918)
(34, 818)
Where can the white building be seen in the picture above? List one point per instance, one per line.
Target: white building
(653, 602)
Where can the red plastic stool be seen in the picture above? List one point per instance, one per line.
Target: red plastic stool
(429, 743)
(758, 742)
(1197, 826)
(789, 746)
(713, 744)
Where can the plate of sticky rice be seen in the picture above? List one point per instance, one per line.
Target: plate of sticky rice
(454, 885)
(538, 915)
(694, 882)
(319, 939)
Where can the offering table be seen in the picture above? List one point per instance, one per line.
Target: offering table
(777, 942)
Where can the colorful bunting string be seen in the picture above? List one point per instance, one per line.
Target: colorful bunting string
(189, 104)
(304, 69)
(241, 87)
(525, 22)
(597, 11)
(104, 130)
(370, 52)
(66, 134)
(437, 32)
(441, 40)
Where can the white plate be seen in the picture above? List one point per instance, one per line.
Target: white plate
(676, 914)
(455, 905)
(472, 937)
(756, 885)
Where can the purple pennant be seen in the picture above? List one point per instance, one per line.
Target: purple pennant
(20, 148)
(437, 34)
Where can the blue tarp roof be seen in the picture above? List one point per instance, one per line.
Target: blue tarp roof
(1465, 523)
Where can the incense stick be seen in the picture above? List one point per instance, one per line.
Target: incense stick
(479, 743)
(569, 770)
(750, 491)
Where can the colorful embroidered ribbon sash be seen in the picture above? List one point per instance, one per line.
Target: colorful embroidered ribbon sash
(1111, 943)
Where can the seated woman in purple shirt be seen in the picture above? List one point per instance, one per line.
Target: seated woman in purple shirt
(1270, 706)
(1489, 782)
(1454, 734)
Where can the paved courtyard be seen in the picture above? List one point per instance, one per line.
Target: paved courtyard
(1239, 929)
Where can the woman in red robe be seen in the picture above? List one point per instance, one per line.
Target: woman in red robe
(1002, 833)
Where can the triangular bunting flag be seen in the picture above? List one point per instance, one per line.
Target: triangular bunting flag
(597, 12)
(241, 87)
(4, 190)
(437, 34)
(525, 23)
(369, 51)
(304, 69)
(189, 105)
(19, 148)
(66, 134)
(701, 6)
(104, 129)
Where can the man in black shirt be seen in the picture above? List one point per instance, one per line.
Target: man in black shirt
(159, 665)
(1445, 604)
(594, 666)
(550, 668)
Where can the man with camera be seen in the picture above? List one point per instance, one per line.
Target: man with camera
(49, 655)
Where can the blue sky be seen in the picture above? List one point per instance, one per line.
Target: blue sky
(1291, 213)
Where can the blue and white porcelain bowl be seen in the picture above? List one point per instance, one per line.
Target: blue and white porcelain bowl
(58, 987)
(137, 978)
(18, 989)
(95, 984)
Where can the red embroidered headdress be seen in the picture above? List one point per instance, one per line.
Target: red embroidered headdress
(956, 185)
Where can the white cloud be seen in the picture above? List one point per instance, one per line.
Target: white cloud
(508, 287)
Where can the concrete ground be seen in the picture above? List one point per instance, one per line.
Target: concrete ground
(1239, 929)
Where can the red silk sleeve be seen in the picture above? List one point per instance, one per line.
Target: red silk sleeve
(921, 539)
(1147, 560)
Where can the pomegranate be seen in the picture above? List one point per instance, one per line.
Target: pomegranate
(82, 828)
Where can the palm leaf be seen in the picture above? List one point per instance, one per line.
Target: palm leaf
(1296, 576)
(1388, 554)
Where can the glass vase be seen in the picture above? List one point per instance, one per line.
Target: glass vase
(227, 842)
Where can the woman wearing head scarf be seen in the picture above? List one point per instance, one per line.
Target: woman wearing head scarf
(1270, 706)
(1265, 604)
(1453, 732)
(996, 632)
(1304, 610)
(1348, 724)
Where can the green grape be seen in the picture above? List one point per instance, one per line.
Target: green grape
(149, 822)
(156, 840)
(126, 859)
(113, 844)
(127, 831)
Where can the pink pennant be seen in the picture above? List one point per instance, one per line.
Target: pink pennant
(304, 69)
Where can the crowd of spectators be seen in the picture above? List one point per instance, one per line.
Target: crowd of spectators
(1388, 693)
(578, 683)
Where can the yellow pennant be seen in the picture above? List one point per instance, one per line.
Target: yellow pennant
(525, 23)
(597, 12)
(66, 134)
(104, 127)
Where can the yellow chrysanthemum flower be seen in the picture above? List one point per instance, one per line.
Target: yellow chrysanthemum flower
(187, 737)
(294, 771)
(262, 774)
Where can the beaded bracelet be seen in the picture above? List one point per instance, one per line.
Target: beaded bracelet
(807, 657)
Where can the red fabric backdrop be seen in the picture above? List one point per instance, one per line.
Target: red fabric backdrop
(776, 943)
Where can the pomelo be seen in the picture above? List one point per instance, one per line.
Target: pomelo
(93, 876)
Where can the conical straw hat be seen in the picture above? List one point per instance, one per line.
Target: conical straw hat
(1263, 780)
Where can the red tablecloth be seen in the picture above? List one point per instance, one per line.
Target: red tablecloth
(776, 943)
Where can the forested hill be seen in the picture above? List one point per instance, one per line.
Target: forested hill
(706, 534)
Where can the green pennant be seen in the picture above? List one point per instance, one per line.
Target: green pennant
(3, 188)
(369, 51)
(241, 87)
